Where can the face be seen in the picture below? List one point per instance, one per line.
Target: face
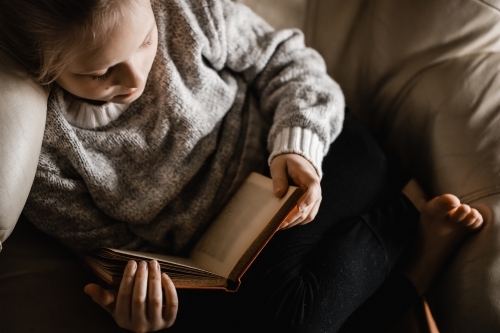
(117, 71)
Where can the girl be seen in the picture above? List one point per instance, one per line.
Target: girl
(157, 112)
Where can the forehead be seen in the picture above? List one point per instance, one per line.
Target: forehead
(119, 36)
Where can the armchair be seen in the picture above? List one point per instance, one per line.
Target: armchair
(422, 75)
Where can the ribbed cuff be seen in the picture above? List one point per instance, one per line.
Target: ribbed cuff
(301, 141)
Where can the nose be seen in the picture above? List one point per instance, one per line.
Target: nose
(131, 76)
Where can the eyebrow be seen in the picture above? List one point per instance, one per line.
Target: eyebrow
(98, 71)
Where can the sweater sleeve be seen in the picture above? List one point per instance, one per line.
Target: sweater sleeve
(305, 105)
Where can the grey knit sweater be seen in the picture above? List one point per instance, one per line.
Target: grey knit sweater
(226, 92)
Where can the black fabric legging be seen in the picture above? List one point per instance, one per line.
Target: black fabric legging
(321, 277)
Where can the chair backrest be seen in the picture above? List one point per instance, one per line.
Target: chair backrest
(420, 74)
(280, 13)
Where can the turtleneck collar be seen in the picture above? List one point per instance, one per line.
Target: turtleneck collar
(85, 115)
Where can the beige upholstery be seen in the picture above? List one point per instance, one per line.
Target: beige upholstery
(23, 105)
(425, 73)
(422, 74)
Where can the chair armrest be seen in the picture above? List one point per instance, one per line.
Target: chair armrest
(23, 107)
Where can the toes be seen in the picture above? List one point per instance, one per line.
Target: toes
(467, 216)
(448, 207)
(459, 214)
(473, 220)
(442, 205)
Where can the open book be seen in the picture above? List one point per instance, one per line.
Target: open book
(226, 249)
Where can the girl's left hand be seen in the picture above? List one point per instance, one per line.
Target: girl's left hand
(304, 175)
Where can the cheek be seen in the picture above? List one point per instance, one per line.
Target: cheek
(82, 87)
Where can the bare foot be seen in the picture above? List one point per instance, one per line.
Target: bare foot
(444, 223)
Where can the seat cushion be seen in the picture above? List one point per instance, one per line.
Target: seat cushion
(41, 287)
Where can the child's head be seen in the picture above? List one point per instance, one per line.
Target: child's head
(95, 49)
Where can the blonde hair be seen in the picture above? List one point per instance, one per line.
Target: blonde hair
(45, 35)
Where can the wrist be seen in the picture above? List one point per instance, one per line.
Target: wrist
(300, 141)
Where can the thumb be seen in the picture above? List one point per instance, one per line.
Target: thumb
(103, 297)
(279, 176)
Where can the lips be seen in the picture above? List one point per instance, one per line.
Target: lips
(128, 94)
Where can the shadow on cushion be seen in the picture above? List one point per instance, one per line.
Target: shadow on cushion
(35, 272)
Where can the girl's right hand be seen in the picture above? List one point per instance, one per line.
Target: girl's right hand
(138, 304)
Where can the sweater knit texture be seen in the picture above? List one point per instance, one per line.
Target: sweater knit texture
(225, 93)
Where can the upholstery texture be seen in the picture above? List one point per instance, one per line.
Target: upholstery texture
(424, 77)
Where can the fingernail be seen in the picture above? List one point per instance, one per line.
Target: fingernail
(132, 263)
(142, 264)
(277, 189)
(284, 225)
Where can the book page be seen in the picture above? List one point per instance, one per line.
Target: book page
(238, 225)
(163, 259)
(110, 264)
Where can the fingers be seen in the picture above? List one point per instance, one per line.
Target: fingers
(304, 175)
(105, 298)
(139, 302)
(139, 294)
(154, 294)
(296, 218)
(293, 216)
(161, 316)
(308, 204)
(171, 301)
(279, 176)
(123, 302)
(312, 213)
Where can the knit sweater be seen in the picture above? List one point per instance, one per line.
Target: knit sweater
(225, 93)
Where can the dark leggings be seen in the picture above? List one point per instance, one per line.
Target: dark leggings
(334, 274)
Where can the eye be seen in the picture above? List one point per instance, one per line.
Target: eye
(102, 76)
(148, 42)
